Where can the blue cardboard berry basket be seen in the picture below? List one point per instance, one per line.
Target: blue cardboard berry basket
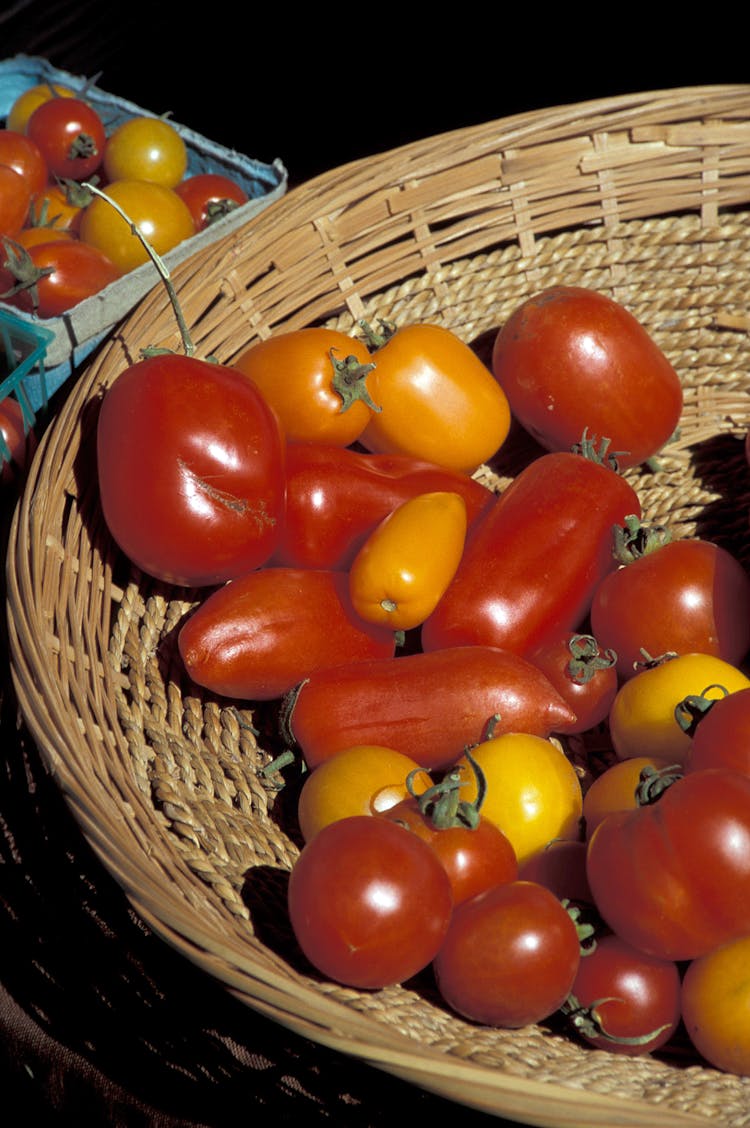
(70, 339)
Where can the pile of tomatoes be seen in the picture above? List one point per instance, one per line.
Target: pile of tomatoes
(61, 242)
(433, 647)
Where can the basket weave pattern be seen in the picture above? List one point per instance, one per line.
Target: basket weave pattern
(645, 198)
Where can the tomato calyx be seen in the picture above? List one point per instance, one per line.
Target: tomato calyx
(440, 804)
(689, 712)
(653, 782)
(20, 264)
(587, 657)
(585, 930)
(349, 381)
(633, 540)
(588, 1023)
(650, 662)
(375, 340)
(597, 450)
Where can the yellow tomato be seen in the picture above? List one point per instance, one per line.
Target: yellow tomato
(364, 779)
(642, 718)
(161, 216)
(146, 148)
(27, 102)
(400, 573)
(533, 792)
(615, 790)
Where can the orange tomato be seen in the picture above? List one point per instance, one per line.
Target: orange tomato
(615, 790)
(158, 212)
(30, 99)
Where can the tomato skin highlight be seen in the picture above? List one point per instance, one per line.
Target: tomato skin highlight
(369, 902)
(190, 465)
(15, 200)
(510, 956)
(571, 358)
(145, 148)
(531, 565)
(663, 887)
(260, 634)
(335, 497)
(429, 706)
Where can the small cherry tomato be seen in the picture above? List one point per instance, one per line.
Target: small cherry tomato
(26, 102)
(716, 1006)
(369, 902)
(315, 381)
(146, 148)
(158, 212)
(210, 196)
(436, 400)
(582, 673)
(59, 206)
(510, 956)
(366, 779)
(407, 562)
(71, 136)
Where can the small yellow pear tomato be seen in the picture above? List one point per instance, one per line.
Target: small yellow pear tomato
(642, 718)
(533, 792)
(403, 568)
(364, 779)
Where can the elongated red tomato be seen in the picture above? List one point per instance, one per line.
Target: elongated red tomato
(530, 567)
(57, 274)
(257, 636)
(191, 470)
(429, 706)
(336, 496)
(570, 358)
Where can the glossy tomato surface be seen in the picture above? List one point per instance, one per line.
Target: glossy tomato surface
(24, 155)
(56, 274)
(191, 470)
(721, 737)
(157, 211)
(716, 1006)
(210, 196)
(146, 148)
(71, 136)
(571, 359)
(15, 201)
(583, 673)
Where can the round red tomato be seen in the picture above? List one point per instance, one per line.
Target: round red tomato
(571, 359)
(510, 956)
(24, 155)
(18, 439)
(624, 1000)
(15, 201)
(56, 275)
(369, 902)
(210, 196)
(721, 735)
(582, 673)
(71, 136)
(191, 470)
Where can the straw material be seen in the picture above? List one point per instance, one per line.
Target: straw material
(645, 198)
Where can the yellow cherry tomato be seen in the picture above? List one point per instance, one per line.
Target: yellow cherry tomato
(615, 790)
(161, 216)
(30, 99)
(146, 148)
(365, 779)
(716, 1006)
(533, 792)
(407, 562)
(642, 717)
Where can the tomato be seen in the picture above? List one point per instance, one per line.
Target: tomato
(15, 200)
(158, 213)
(315, 381)
(145, 148)
(716, 1006)
(437, 400)
(17, 440)
(616, 789)
(210, 196)
(191, 470)
(26, 102)
(55, 275)
(530, 567)
(24, 155)
(366, 779)
(258, 636)
(59, 207)
(71, 136)
(582, 673)
(407, 562)
(642, 718)
(533, 792)
(671, 595)
(721, 736)
(510, 956)
(570, 358)
(335, 497)
(561, 868)
(369, 902)
(673, 877)
(29, 237)
(624, 1000)
(429, 706)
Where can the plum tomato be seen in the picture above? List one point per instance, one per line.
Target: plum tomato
(510, 956)
(50, 277)
(716, 1006)
(210, 196)
(145, 148)
(369, 902)
(71, 136)
(157, 211)
(570, 358)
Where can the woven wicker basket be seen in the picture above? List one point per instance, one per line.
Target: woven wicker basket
(646, 198)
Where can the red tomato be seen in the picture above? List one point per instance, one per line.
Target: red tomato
(510, 956)
(24, 155)
(682, 596)
(721, 738)
(210, 196)
(429, 706)
(336, 497)
(258, 636)
(571, 359)
(582, 673)
(531, 566)
(561, 868)
(369, 902)
(202, 497)
(315, 380)
(673, 878)
(18, 440)
(56, 275)
(15, 201)
(71, 136)
(624, 1000)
